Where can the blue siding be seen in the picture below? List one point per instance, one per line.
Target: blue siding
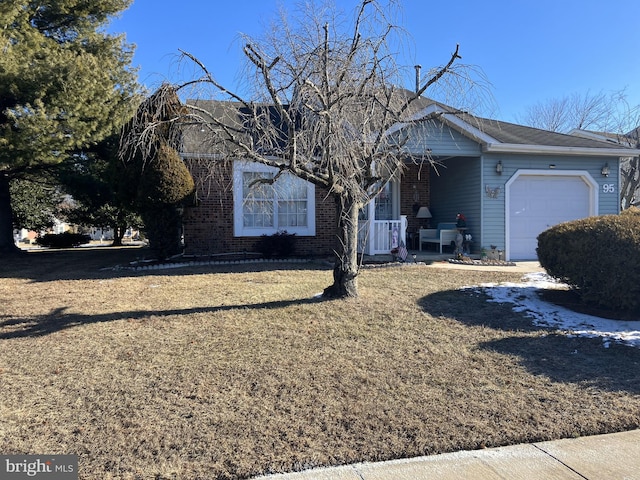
(455, 187)
(442, 140)
(493, 226)
(464, 179)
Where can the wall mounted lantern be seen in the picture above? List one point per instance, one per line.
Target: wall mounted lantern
(499, 167)
(605, 170)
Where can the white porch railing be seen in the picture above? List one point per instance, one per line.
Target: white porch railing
(378, 237)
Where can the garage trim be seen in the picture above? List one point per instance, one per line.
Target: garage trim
(583, 174)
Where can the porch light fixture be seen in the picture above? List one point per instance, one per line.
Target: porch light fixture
(423, 213)
(499, 167)
(605, 170)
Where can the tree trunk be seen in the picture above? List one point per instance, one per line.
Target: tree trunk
(7, 243)
(118, 234)
(630, 183)
(345, 270)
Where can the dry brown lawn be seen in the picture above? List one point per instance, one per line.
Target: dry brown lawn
(232, 372)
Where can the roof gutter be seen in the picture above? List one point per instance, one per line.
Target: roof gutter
(553, 150)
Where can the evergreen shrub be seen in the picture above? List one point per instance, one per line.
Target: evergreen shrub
(63, 240)
(278, 245)
(597, 256)
(165, 186)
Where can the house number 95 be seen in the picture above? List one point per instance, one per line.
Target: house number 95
(609, 188)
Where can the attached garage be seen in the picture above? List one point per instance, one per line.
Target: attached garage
(537, 200)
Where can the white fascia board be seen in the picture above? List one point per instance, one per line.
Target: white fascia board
(453, 120)
(469, 130)
(425, 112)
(553, 150)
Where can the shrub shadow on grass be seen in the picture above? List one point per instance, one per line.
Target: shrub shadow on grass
(472, 308)
(542, 351)
(575, 360)
(115, 262)
(58, 320)
(70, 264)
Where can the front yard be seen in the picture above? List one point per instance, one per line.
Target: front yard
(232, 372)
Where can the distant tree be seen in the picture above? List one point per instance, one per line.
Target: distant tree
(35, 202)
(64, 84)
(600, 113)
(92, 177)
(589, 111)
(324, 100)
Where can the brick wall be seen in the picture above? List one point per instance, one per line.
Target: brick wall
(208, 225)
(415, 181)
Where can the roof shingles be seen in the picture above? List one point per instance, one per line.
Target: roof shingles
(510, 133)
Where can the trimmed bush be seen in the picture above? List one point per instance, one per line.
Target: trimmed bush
(63, 240)
(163, 229)
(165, 180)
(597, 256)
(165, 185)
(278, 245)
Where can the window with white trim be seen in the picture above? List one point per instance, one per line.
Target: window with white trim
(262, 207)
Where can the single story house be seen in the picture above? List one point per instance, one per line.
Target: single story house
(510, 181)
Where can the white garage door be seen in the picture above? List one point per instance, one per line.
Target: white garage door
(537, 202)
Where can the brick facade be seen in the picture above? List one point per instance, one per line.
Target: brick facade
(414, 193)
(208, 225)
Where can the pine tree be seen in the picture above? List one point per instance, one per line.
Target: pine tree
(65, 84)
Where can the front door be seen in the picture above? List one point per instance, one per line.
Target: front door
(376, 236)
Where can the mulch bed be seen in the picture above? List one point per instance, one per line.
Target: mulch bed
(493, 263)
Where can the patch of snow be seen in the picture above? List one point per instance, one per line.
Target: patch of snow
(524, 297)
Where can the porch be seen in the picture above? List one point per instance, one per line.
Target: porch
(379, 237)
(414, 256)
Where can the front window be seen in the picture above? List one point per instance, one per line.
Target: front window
(257, 203)
(264, 206)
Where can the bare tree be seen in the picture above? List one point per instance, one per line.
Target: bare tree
(324, 104)
(630, 173)
(627, 132)
(591, 111)
(550, 115)
(611, 116)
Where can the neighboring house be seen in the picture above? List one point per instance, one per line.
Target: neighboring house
(628, 140)
(510, 181)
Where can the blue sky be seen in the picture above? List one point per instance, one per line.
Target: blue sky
(530, 51)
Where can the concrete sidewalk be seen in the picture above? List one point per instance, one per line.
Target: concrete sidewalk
(601, 457)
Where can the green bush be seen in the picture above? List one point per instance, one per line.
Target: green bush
(63, 240)
(163, 228)
(165, 185)
(278, 245)
(597, 256)
(165, 180)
